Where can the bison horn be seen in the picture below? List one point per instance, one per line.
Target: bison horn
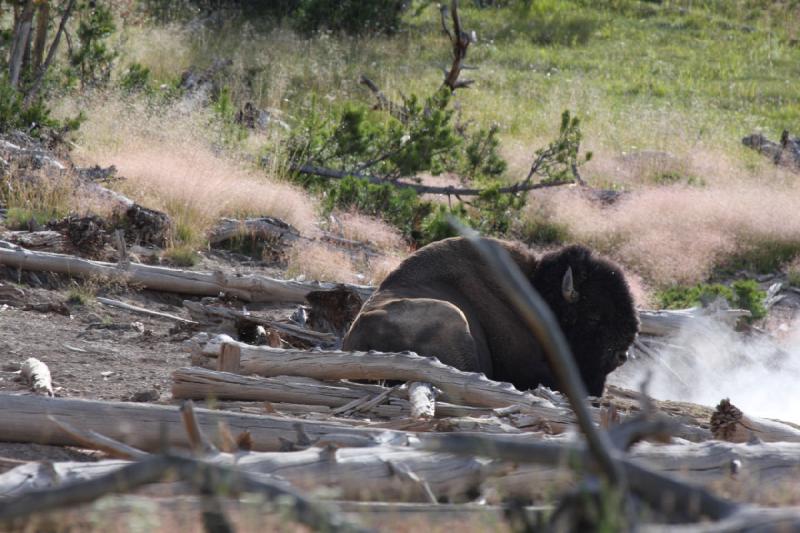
(568, 287)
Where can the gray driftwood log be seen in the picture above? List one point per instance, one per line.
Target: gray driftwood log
(197, 383)
(27, 419)
(459, 387)
(251, 288)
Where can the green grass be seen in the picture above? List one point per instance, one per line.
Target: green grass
(720, 69)
(688, 78)
(742, 294)
(81, 294)
(182, 255)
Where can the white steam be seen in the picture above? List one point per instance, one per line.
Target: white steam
(709, 361)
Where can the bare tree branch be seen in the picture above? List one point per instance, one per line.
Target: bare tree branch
(424, 189)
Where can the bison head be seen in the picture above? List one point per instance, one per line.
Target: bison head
(594, 307)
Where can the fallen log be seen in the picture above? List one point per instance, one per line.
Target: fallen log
(46, 240)
(37, 375)
(730, 424)
(265, 228)
(251, 288)
(670, 321)
(361, 474)
(203, 477)
(535, 409)
(147, 426)
(459, 387)
(706, 462)
(196, 383)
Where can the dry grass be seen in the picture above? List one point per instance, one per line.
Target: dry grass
(165, 50)
(321, 262)
(168, 161)
(371, 230)
(678, 234)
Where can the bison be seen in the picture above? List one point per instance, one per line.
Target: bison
(443, 302)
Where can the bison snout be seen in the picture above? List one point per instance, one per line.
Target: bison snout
(621, 357)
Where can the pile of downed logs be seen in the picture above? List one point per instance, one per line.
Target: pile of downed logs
(315, 429)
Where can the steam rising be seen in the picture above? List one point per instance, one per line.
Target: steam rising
(708, 361)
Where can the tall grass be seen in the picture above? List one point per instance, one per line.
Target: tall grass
(169, 163)
(664, 91)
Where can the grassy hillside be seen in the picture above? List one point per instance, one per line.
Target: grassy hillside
(665, 91)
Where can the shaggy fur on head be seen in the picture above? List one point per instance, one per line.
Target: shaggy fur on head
(443, 302)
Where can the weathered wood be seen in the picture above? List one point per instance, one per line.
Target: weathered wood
(662, 491)
(422, 399)
(710, 461)
(265, 228)
(141, 310)
(203, 477)
(749, 519)
(38, 376)
(197, 383)
(47, 240)
(229, 358)
(670, 321)
(245, 287)
(349, 473)
(95, 441)
(535, 409)
(26, 419)
(730, 424)
(460, 387)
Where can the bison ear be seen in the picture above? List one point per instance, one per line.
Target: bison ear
(568, 287)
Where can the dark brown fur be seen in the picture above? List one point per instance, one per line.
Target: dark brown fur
(442, 302)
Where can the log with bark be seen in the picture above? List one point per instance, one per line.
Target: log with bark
(252, 288)
(263, 228)
(45, 240)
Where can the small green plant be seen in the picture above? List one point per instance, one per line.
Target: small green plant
(742, 294)
(93, 59)
(676, 178)
(793, 273)
(136, 78)
(748, 295)
(542, 231)
(14, 115)
(230, 132)
(436, 226)
(181, 255)
(80, 294)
